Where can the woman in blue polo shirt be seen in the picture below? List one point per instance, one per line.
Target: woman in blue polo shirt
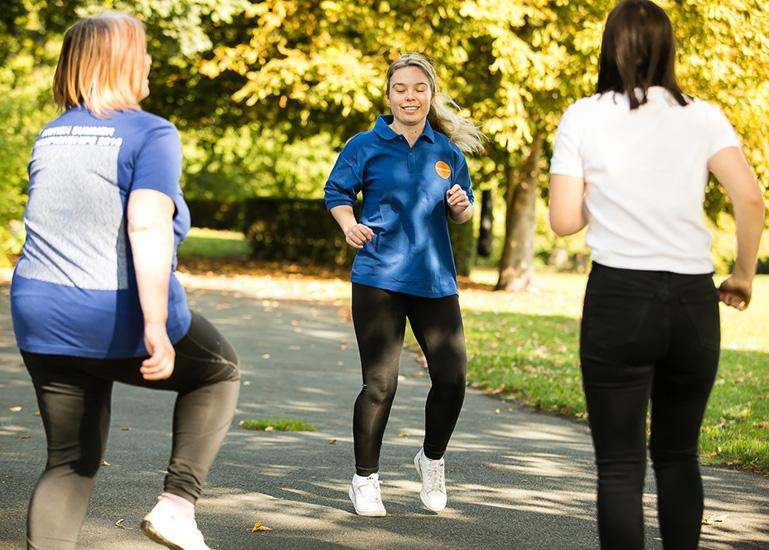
(413, 176)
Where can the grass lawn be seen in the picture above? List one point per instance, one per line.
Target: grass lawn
(212, 244)
(277, 424)
(526, 347)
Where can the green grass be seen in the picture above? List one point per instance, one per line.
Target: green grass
(277, 425)
(527, 350)
(211, 244)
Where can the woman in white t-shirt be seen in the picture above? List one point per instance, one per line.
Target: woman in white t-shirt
(632, 163)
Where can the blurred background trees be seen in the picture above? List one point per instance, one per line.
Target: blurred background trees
(266, 93)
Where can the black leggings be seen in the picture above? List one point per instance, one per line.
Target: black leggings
(74, 393)
(648, 335)
(379, 317)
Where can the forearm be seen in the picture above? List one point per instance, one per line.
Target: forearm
(749, 219)
(462, 216)
(152, 250)
(344, 216)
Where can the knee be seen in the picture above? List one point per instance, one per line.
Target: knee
(622, 474)
(666, 458)
(450, 376)
(380, 391)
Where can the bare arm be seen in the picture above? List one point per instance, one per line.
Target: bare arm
(150, 231)
(732, 170)
(356, 234)
(567, 201)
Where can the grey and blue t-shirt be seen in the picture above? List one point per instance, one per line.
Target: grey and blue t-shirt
(74, 289)
(404, 202)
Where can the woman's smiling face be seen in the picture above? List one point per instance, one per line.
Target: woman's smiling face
(409, 96)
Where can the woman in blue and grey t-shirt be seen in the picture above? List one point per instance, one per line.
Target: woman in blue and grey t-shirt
(94, 298)
(413, 176)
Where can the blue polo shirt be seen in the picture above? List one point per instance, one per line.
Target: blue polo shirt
(74, 289)
(404, 203)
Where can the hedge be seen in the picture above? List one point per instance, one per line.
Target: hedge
(303, 230)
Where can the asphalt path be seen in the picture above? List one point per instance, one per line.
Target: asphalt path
(517, 479)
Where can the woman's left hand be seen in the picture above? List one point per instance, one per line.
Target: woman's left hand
(457, 199)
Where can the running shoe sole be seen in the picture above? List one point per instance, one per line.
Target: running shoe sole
(149, 530)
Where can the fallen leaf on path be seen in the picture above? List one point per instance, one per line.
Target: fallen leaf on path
(497, 411)
(125, 429)
(260, 527)
(404, 433)
(14, 409)
(269, 429)
(105, 463)
(23, 436)
(37, 412)
(714, 518)
(332, 441)
(120, 524)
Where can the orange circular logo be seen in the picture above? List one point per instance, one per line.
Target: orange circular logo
(442, 169)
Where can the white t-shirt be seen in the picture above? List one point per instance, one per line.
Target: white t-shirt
(645, 172)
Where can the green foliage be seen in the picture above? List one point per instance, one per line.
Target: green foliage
(463, 245)
(24, 108)
(295, 230)
(251, 161)
(265, 92)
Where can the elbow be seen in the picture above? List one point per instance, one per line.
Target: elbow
(560, 227)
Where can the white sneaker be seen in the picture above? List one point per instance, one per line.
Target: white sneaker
(166, 525)
(366, 497)
(431, 472)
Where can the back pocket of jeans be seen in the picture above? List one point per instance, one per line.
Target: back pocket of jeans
(614, 320)
(705, 318)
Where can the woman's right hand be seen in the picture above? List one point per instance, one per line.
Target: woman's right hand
(160, 364)
(357, 235)
(736, 292)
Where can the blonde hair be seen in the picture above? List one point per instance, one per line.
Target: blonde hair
(443, 115)
(101, 65)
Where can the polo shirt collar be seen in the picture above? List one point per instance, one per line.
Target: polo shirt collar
(383, 130)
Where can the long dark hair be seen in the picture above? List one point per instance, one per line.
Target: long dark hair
(638, 50)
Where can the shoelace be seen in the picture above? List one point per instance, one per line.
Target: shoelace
(435, 476)
(374, 484)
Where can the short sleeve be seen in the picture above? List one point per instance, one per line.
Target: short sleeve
(344, 183)
(158, 164)
(566, 159)
(721, 133)
(462, 177)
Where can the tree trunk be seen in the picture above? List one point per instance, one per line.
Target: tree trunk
(516, 267)
(485, 234)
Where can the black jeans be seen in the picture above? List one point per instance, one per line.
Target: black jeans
(74, 394)
(648, 335)
(379, 317)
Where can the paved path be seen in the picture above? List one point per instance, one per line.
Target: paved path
(517, 479)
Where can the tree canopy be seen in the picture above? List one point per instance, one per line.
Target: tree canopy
(286, 82)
